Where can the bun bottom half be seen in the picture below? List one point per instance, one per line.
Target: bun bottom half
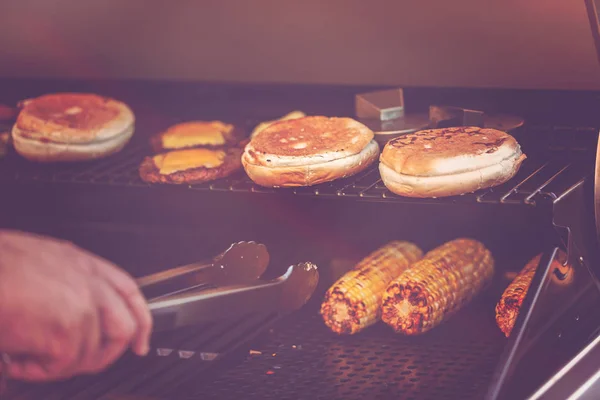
(453, 184)
(36, 150)
(312, 174)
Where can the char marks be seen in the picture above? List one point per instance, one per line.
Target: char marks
(311, 136)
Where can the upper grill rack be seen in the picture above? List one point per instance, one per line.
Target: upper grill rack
(547, 172)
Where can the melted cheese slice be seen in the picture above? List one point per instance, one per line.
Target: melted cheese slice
(263, 125)
(196, 133)
(181, 160)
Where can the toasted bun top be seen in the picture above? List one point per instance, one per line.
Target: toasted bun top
(73, 118)
(308, 140)
(291, 115)
(447, 151)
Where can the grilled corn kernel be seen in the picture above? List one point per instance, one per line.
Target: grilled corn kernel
(354, 301)
(507, 309)
(509, 305)
(437, 286)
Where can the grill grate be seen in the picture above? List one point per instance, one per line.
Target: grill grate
(546, 172)
(303, 360)
(175, 356)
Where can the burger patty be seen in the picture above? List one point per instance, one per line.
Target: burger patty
(150, 173)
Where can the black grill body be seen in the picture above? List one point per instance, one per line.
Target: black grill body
(105, 207)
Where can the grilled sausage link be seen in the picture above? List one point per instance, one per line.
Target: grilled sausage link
(437, 286)
(354, 301)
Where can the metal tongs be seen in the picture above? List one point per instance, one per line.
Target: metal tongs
(228, 286)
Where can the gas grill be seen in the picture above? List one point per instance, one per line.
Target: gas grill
(104, 206)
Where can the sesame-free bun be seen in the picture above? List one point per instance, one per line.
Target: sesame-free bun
(308, 151)
(71, 127)
(449, 161)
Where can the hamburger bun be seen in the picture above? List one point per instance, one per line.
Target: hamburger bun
(308, 151)
(71, 127)
(192, 134)
(449, 161)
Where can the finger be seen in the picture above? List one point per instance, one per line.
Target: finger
(28, 370)
(129, 291)
(91, 330)
(118, 327)
(39, 369)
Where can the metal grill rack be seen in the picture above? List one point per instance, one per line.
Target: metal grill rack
(303, 360)
(547, 172)
(300, 359)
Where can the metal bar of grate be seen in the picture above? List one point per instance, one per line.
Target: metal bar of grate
(539, 189)
(181, 373)
(87, 387)
(125, 382)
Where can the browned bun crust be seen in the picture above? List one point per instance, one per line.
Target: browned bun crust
(149, 172)
(73, 118)
(231, 138)
(449, 161)
(71, 127)
(311, 174)
(308, 140)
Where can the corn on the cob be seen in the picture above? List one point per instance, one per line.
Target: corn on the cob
(509, 305)
(437, 286)
(507, 309)
(354, 301)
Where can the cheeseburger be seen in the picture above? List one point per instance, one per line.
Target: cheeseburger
(188, 166)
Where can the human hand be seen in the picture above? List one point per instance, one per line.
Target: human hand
(65, 311)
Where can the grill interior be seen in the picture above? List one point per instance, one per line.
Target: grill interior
(294, 357)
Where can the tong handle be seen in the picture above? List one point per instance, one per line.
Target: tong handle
(242, 262)
(175, 279)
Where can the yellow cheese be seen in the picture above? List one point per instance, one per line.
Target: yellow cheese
(181, 160)
(196, 133)
(263, 125)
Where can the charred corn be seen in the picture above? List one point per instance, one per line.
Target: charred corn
(354, 301)
(509, 305)
(437, 286)
(507, 309)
